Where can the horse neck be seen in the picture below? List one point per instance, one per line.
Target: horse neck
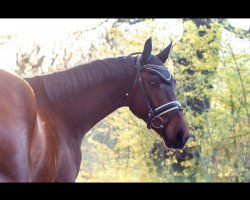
(82, 104)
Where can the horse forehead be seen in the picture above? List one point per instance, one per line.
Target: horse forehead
(161, 71)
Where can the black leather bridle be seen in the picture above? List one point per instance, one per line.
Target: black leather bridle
(154, 114)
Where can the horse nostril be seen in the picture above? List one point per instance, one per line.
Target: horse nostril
(181, 136)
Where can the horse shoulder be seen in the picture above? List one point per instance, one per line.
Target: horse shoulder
(51, 155)
(17, 111)
(43, 151)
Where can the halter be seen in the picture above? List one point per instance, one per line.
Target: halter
(154, 114)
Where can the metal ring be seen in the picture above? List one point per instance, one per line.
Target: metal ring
(157, 117)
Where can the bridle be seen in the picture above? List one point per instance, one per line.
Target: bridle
(154, 114)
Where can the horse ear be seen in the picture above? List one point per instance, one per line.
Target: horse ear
(146, 54)
(163, 55)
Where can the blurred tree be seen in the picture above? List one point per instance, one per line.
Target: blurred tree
(29, 63)
(197, 56)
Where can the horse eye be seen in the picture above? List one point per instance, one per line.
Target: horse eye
(154, 82)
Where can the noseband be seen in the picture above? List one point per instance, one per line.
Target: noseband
(154, 114)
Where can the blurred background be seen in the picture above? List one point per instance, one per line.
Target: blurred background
(210, 60)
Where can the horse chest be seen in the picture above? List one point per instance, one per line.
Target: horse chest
(68, 165)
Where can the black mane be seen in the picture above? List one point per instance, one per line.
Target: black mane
(74, 80)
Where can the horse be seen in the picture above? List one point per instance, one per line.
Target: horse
(43, 119)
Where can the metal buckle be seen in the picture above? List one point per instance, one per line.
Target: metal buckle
(161, 122)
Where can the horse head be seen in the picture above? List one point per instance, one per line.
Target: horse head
(153, 97)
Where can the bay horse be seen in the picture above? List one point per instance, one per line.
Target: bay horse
(43, 119)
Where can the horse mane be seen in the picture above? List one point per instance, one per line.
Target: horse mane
(72, 81)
